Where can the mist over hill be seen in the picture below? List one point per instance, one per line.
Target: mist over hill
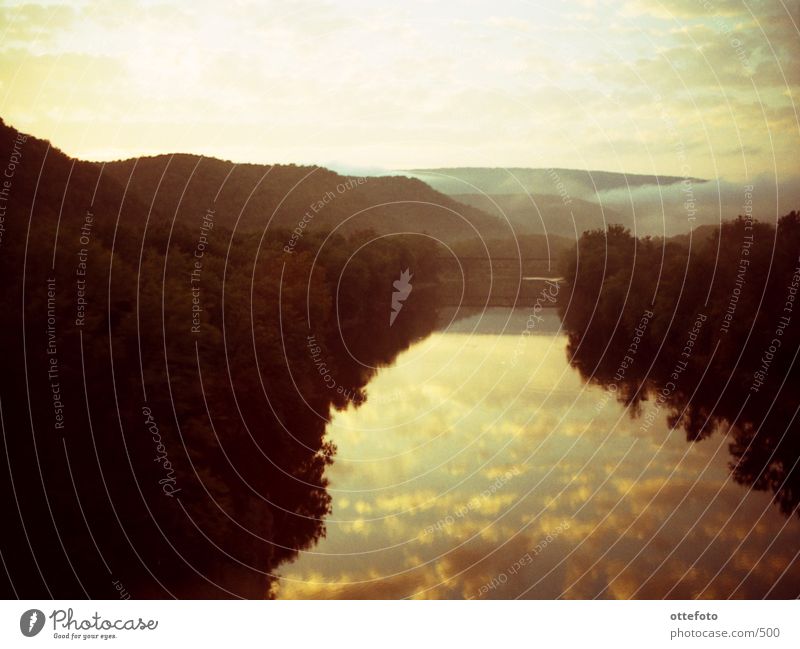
(569, 183)
(544, 214)
(568, 202)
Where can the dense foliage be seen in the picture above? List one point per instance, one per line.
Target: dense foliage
(163, 411)
(707, 332)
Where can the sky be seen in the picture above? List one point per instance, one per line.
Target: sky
(703, 88)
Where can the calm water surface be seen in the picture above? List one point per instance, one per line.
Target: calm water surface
(482, 466)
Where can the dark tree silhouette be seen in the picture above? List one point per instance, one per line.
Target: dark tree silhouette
(720, 351)
(163, 417)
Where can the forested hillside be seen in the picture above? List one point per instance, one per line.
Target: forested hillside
(167, 383)
(254, 198)
(705, 337)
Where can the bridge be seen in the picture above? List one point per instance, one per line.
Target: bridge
(495, 281)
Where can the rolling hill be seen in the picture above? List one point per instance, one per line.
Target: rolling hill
(253, 198)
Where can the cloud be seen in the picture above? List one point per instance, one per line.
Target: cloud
(569, 85)
(693, 8)
(658, 209)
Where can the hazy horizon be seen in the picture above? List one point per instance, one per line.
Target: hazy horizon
(669, 88)
(347, 169)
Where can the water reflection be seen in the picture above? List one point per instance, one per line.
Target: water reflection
(718, 352)
(502, 473)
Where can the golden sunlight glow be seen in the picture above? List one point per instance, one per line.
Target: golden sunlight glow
(415, 85)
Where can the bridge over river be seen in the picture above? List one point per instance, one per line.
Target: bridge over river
(497, 281)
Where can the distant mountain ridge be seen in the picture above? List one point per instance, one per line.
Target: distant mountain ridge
(568, 202)
(446, 204)
(567, 183)
(180, 188)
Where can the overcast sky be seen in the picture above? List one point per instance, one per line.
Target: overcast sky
(685, 87)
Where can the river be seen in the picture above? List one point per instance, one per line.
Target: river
(483, 466)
